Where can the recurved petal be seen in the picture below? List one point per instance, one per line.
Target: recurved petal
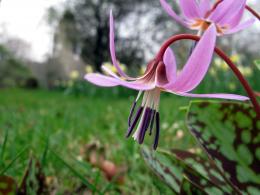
(107, 81)
(204, 7)
(234, 14)
(241, 26)
(170, 64)
(190, 9)
(222, 9)
(109, 72)
(217, 95)
(160, 76)
(170, 11)
(235, 20)
(198, 63)
(112, 47)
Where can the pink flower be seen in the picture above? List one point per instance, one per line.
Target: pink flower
(226, 15)
(161, 76)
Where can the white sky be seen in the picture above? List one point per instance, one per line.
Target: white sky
(25, 19)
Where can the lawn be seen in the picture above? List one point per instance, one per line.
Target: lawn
(55, 128)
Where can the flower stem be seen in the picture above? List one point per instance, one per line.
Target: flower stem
(253, 12)
(220, 53)
(216, 4)
(213, 7)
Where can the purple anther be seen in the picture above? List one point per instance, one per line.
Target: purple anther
(137, 116)
(131, 113)
(143, 125)
(148, 119)
(152, 121)
(157, 133)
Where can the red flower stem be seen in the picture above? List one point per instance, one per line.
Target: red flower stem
(216, 4)
(213, 7)
(220, 53)
(253, 12)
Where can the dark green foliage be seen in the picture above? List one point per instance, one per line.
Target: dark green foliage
(166, 168)
(12, 71)
(181, 176)
(257, 63)
(187, 188)
(206, 168)
(230, 135)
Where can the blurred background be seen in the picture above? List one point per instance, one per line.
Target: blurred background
(69, 125)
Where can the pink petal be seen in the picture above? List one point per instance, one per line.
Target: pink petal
(112, 48)
(170, 11)
(170, 64)
(235, 20)
(190, 9)
(198, 63)
(241, 26)
(234, 14)
(166, 72)
(110, 72)
(100, 80)
(217, 95)
(220, 10)
(204, 7)
(106, 81)
(160, 76)
(225, 8)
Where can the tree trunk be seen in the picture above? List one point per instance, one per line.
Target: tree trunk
(99, 49)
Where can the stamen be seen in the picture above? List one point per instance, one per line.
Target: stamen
(137, 116)
(152, 121)
(133, 108)
(157, 134)
(131, 113)
(148, 119)
(143, 125)
(148, 114)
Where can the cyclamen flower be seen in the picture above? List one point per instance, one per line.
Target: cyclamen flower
(226, 15)
(161, 76)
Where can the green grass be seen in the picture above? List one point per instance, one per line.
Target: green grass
(47, 121)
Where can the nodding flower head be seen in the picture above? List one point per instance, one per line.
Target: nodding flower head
(160, 76)
(199, 15)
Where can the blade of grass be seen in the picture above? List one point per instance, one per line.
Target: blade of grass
(82, 163)
(13, 161)
(183, 108)
(81, 177)
(97, 177)
(3, 148)
(44, 155)
(87, 166)
(110, 184)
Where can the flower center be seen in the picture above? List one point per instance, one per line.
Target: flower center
(147, 114)
(203, 25)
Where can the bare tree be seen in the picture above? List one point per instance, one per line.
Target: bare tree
(87, 27)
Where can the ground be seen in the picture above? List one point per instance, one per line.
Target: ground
(44, 123)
